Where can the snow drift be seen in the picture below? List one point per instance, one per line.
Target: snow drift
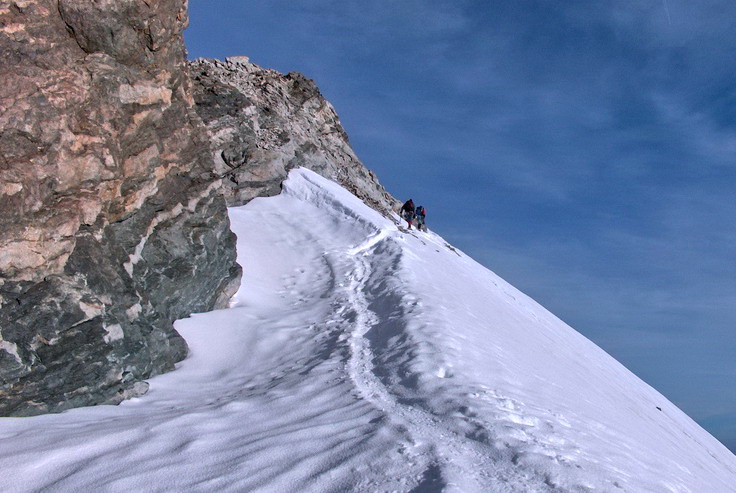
(360, 357)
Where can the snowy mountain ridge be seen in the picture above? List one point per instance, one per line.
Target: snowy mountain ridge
(118, 159)
(360, 357)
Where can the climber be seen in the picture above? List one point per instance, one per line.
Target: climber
(420, 214)
(407, 211)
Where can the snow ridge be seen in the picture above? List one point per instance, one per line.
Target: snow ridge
(445, 442)
(361, 357)
(425, 456)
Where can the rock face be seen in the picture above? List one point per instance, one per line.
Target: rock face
(263, 123)
(113, 224)
(114, 220)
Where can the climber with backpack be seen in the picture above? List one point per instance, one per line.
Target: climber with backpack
(420, 214)
(407, 211)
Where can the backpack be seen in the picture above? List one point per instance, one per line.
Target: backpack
(420, 211)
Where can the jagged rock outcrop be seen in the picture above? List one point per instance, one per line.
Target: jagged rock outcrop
(112, 223)
(263, 123)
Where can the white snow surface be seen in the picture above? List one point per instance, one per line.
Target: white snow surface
(361, 357)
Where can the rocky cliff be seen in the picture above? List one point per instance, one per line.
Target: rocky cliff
(112, 224)
(113, 191)
(263, 123)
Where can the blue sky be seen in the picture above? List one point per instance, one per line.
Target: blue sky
(585, 151)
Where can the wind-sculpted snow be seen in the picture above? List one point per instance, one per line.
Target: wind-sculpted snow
(361, 357)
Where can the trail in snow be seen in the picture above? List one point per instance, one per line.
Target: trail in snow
(448, 443)
(403, 374)
(357, 357)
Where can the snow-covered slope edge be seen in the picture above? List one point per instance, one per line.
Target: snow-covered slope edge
(358, 357)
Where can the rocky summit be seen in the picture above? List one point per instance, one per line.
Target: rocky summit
(263, 123)
(117, 161)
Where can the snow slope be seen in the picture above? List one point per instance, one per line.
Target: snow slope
(360, 357)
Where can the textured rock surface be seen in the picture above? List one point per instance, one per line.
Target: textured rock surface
(112, 221)
(263, 123)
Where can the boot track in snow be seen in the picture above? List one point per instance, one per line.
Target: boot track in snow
(434, 441)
